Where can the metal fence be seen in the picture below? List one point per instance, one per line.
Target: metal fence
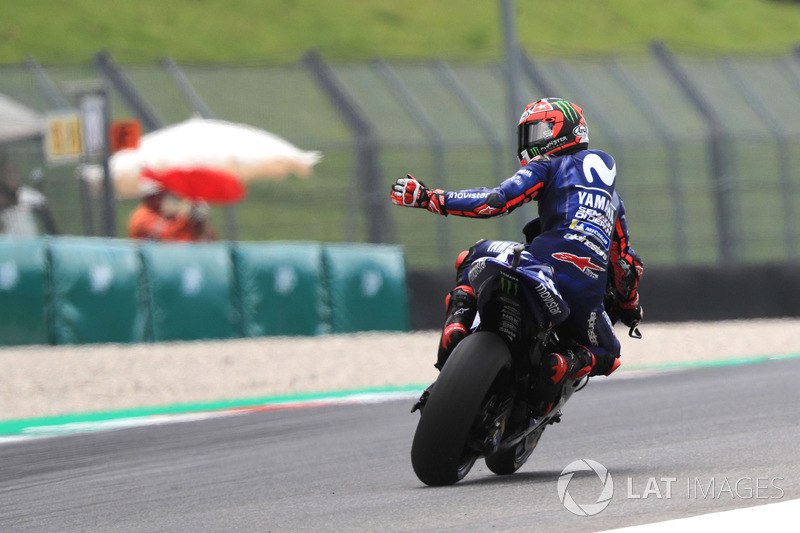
(707, 148)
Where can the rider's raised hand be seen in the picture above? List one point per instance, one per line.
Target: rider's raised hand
(411, 192)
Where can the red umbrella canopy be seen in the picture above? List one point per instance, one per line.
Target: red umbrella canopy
(199, 184)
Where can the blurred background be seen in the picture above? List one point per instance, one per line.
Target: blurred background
(697, 101)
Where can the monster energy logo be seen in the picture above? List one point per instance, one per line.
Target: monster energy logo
(508, 286)
(567, 109)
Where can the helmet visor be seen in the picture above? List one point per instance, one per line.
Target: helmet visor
(533, 133)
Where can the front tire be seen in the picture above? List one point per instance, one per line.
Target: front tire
(441, 453)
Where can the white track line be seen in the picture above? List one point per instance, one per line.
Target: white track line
(780, 516)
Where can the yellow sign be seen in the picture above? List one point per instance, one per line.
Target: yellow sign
(64, 138)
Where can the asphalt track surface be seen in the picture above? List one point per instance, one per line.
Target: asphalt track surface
(728, 436)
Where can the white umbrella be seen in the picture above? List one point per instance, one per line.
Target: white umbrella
(18, 122)
(247, 152)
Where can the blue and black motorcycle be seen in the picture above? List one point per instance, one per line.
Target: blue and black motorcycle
(479, 405)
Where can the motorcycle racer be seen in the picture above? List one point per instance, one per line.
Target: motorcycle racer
(581, 233)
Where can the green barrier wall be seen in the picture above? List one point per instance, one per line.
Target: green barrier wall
(281, 288)
(190, 290)
(96, 296)
(70, 290)
(24, 292)
(367, 286)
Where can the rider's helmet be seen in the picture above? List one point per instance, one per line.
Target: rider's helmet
(551, 126)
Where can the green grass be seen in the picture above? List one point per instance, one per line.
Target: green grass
(280, 31)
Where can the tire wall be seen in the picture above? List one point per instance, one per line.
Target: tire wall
(80, 290)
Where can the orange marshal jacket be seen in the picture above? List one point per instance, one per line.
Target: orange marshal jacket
(146, 223)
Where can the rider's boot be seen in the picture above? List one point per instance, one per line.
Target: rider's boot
(605, 365)
(556, 368)
(462, 306)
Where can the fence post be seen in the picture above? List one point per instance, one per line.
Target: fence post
(200, 107)
(120, 81)
(186, 88)
(587, 102)
(722, 180)
(368, 173)
(754, 100)
(531, 70)
(398, 88)
(673, 155)
(483, 121)
(513, 62)
(51, 91)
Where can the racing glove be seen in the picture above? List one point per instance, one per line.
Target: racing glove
(622, 294)
(411, 192)
(630, 313)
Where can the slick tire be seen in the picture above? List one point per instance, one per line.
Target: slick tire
(440, 453)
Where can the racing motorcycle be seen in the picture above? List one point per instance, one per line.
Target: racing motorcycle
(479, 404)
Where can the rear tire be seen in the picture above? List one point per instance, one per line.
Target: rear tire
(441, 453)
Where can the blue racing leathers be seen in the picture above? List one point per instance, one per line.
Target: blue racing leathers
(581, 216)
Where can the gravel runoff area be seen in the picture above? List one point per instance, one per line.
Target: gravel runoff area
(45, 380)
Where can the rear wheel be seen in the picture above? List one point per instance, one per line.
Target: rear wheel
(446, 444)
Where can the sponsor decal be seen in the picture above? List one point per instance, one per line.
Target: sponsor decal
(476, 268)
(9, 275)
(548, 299)
(590, 244)
(462, 195)
(508, 285)
(591, 330)
(101, 277)
(554, 143)
(371, 283)
(590, 215)
(501, 247)
(583, 263)
(593, 165)
(592, 230)
(598, 202)
(581, 132)
(567, 109)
